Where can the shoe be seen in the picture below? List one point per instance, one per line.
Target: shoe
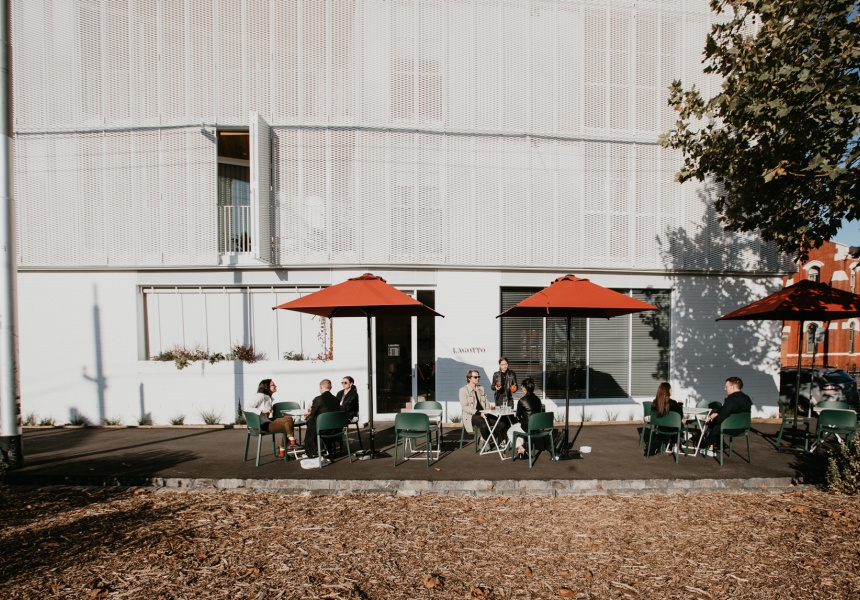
(708, 452)
(296, 448)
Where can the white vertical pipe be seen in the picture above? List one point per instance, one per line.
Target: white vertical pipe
(11, 452)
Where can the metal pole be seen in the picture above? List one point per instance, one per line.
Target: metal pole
(11, 453)
(371, 452)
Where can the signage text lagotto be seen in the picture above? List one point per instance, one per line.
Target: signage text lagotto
(470, 350)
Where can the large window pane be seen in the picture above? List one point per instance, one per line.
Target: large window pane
(609, 364)
(650, 359)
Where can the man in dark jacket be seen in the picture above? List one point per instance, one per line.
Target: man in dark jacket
(736, 402)
(325, 402)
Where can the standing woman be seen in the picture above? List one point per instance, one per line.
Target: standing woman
(504, 383)
(663, 404)
(261, 403)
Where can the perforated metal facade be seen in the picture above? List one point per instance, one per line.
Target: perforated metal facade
(515, 133)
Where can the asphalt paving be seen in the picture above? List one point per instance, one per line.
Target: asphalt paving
(201, 457)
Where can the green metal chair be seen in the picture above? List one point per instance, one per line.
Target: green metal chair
(802, 420)
(435, 423)
(646, 420)
(332, 425)
(475, 431)
(668, 424)
(736, 425)
(298, 422)
(540, 426)
(252, 421)
(412, 426)
(838, 422)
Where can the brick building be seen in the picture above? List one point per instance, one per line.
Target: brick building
(832, 264)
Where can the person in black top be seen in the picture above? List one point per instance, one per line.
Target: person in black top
(325, 402)
(527, 406)
(348, 397)
(504, 384)
(736, 402)
(663, 404)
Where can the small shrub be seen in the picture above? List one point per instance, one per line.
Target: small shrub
(177, 420)
(611, 415)
(210, 417)
(145, 419)
(456, 419)
(182, 357)
(29, 420)
(46, 422)
(217, 357)
(240, 419)
(843, 469)
(78, 419)
(294, 356)
(245, 353)
(112, 422)
(559, 416)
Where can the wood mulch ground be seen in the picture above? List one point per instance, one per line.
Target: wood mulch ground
(87, 543)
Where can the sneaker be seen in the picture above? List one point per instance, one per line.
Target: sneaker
(708, 452)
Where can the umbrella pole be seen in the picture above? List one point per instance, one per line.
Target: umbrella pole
(370, 452)
(797, 385)
(564, 453)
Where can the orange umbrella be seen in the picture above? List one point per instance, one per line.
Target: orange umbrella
(804, 301)
(364, 296)
(569, 297)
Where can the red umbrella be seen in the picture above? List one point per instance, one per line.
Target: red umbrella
(364, 296)
(569, 297)
(804, 301)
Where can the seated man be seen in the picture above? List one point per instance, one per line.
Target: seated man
(473, 399)
(325, 402)
(736, 402)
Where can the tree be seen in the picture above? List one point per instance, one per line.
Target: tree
(782, 135)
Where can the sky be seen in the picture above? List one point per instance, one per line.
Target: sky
(849, 233)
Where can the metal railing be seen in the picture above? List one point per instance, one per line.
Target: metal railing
(234, 229)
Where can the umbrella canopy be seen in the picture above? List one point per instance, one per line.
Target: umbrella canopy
(365, 296)
(569, 297)
(804, 301)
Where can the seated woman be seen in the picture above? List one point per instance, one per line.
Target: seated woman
(528, 405)
(663, 405)
(261, 403)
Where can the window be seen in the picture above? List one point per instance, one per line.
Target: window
(234, 192)
(619, 358)
(810, 338)
(814, 273)
(851, 336)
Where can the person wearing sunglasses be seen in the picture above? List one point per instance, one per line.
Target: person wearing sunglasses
(473, 399)
(348, 397)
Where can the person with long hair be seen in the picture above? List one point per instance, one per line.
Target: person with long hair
(663, 404)
(527, 406)
(261, 403)
(504, 384)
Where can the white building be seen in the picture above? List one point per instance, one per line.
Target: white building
(182, 166)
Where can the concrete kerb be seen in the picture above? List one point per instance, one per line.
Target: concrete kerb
(507, 487)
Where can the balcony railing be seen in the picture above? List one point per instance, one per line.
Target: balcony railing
(234, 229)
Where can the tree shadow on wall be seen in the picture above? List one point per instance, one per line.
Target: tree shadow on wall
(705, 352)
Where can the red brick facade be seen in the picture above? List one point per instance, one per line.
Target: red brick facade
(833, 265)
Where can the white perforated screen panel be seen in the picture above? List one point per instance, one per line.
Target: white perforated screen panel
(516, 133)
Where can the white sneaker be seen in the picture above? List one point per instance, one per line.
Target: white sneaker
(709, 453)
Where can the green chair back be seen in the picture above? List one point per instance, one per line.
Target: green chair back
(733, 426)
(330, 425)
(540, 426)
(668, 424)
(411, 426)
(252, 424)
(836, 421)
(832, 404)
(646, 420)
(428, 405)
(277, 407)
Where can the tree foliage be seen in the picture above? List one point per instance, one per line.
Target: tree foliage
(782, 134)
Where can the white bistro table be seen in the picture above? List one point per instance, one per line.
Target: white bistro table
(501, 411)
(701, 415)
